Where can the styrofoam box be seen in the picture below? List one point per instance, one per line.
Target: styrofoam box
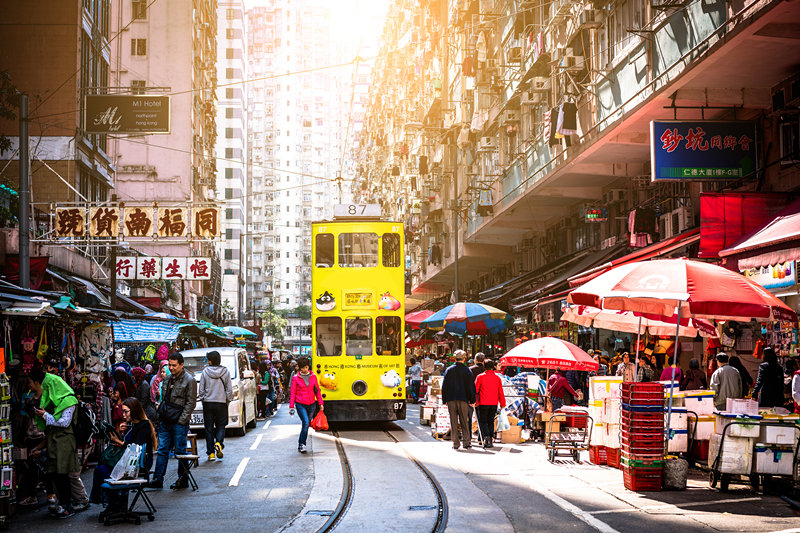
(774, 459)
(705, 427)
(442, 419)
(741, 406)
(602, 387)
(699, 401)
(745, 426)
(674, 385)
(737, 454)
(598, 437)
(786, 434)
(612, 411)
(679, 418)
(678, 440)
(596, 410)
(612, 436)
(677, 399)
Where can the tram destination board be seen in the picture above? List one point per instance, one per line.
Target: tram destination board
(357, 211)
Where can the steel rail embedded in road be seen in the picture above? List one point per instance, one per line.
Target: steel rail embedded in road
(348, 487)
(442, 513)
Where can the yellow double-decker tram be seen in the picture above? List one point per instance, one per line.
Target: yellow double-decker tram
(358, 286)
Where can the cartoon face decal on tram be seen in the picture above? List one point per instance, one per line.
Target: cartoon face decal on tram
(390, 379)
(388, 302)
(326, 302)
(329, 381)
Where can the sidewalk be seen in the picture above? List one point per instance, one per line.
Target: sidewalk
(564, 496)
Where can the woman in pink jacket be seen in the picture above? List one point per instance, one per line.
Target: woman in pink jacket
(305, 393)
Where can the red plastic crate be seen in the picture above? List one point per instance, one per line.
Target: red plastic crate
(651, 399)
(612, 457)
(642, 450)
(597, 455)
(648, 458)
(642, 479)
(699, 450)
(648, 432)
(641, 387)
(643, 419)
(642, 439)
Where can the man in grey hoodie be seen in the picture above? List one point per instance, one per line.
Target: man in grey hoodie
(215, 392)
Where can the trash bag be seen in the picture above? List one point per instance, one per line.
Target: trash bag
(503, 424)
(320, 422)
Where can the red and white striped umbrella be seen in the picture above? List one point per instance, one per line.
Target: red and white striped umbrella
(549, 352)
(629, 322)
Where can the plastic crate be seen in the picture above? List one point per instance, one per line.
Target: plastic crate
(643, 398)
(634, 419)
(642, 387)
(645, 448)
(642, 479)
(648, 463)
(653, 438)
(699, 450)
(649, 433)
(613, 456)
(649, 457)
(652, 408)
(597, 455)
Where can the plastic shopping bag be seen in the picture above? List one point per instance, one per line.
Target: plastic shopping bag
(503, 424)
(128, 465)
(320, 422)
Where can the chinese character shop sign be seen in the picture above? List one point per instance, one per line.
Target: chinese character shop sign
(172, 268)
(702, 150)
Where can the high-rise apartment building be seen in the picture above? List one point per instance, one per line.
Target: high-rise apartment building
(295, 120)
(232, 153)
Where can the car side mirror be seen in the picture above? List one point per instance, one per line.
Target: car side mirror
(248, 374)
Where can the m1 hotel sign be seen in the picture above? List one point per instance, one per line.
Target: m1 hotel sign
(126, 114)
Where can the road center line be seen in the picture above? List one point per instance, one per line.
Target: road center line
(575, 510)
(266, 425)
(257, 442)
(239, 471)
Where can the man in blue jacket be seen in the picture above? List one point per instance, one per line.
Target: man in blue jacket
(458, 392)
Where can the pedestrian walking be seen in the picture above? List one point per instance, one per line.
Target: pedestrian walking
(747, 379)
(769, 383)
(179, 396)
(695, 378)
(489, 394)
(143, 393)
(725, 382)
(216, 392)
(415, 373)
(305, 395)
(55, 416)
(478, 368)
(458, 392)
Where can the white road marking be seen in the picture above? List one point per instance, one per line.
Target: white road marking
(257, 442)
(239, 471)
(266, 425)
(669, 506)
(575, 510)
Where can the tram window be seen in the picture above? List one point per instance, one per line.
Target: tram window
(387, 329)
(359, 336)
(391, 249)
(324, 250)
(358, 250)
(329, 336)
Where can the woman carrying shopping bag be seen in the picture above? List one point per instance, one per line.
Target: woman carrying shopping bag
(489, 393)
(304, 394)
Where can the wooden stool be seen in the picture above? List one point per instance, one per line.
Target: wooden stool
(191, 446)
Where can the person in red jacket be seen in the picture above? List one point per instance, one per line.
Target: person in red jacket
(558, 387)
(489, 392)
(304, 395)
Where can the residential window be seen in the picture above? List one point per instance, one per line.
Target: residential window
(229, 234)
(228, 253)
(229, 33)
(138, 47)
(230, 14)
(230, 53)
(229, 133)
(229, 153)
(229, 194)
(228, 213)
(228, 271)
(228, 173)
(229, 92)
(139, 9)
(229, 112)
(138, 86)
(229, 73)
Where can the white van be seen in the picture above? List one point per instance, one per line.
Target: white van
(243, 408)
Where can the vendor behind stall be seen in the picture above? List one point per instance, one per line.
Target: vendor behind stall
(560, 391)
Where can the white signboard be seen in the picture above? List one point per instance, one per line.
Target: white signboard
(356, 211)
(175, 268)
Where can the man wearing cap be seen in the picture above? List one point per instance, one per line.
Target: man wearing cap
(725, 382)
(458, 392)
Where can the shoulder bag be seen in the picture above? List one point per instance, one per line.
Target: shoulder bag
(169, 412)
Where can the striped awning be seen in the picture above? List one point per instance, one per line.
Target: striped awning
(146, 330)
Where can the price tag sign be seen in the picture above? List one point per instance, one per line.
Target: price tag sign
(356, 211)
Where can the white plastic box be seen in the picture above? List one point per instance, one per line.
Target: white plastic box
(774, 459)
(786, 434)
(598, 437)
(699, 401)
(679, 418)
(705, 427)
(678, 440)
(612, 411)
(612, 436)
(745, 426)
(602, 387)
(737, 454)
(741, 406)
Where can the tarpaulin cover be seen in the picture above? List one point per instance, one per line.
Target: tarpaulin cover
(783, 228)
(146, 331)
(726, 217)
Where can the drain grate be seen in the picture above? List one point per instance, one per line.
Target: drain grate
(320, 512)
(422, 508)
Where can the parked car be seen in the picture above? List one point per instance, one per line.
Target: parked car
(243, 408)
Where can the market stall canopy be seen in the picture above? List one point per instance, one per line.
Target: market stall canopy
(468, 318)
(413, 319)
(783, 229)
(240, 332)
(549, 352)
(146, 330)
(655, 288)
(161, 315)
(629, 322)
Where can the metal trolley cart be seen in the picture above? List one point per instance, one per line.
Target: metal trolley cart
(568, 441)
(728, 463)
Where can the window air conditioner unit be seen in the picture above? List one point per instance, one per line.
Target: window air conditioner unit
(514, 54)
(510, 116)
(540, 84)
(488, 143)
(614, 195)
(590, 18)
(573, 63)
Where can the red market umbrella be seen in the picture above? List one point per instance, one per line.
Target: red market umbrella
(629, 322)
(413, 319)
(549, 352)
(703, 290)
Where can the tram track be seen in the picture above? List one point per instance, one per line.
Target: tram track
(349, 487)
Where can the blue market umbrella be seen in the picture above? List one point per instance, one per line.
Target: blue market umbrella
(240, 332)
(468, 318)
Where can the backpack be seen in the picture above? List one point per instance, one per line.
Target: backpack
(84, 424)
